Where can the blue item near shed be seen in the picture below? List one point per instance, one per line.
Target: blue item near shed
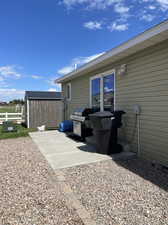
(66, 125)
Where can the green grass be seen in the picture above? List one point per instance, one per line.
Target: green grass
(21, 132)
(9, 109)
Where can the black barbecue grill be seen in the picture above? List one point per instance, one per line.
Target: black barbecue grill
(103, 126)
(80, 118)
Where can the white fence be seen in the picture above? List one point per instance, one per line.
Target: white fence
(17, 117)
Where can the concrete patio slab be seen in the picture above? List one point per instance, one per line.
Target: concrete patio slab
(62, 152)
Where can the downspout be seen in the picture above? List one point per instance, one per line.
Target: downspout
(138, 130)
(137, 111)
(64, 108)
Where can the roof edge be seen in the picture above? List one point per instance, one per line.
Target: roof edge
(31, 98)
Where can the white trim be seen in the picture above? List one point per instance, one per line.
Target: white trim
(101, 94)
(114, 90)
(17, 117)
(101, 75)
(146, 39)
(90, 91)
(28, 119)
(70, 94)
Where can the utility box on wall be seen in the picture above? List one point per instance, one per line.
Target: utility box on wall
(8, 126)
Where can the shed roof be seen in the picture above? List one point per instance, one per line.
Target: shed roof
(146, 39)
(42, 95)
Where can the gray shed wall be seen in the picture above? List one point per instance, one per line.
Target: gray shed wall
(45, 112)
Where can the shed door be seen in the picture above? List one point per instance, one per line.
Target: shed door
(45, 112)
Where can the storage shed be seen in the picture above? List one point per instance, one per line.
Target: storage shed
(43, 108)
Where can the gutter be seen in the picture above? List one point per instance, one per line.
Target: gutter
(45, 98)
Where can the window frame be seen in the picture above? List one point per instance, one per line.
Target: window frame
(68, 85)
(101, 75)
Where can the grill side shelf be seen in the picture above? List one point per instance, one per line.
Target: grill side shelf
(78, 118)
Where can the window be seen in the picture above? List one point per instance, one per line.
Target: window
(108, 92)
(96, 93)
(68, 91)
(102, 91)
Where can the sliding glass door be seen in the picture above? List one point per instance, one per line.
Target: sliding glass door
(102, 91)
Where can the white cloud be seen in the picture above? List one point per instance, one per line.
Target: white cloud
(82, 60)
(146, 0)
(56, 87)
(102, 4)
(152, 7)
(51, 81)
(120, 8)
(118, 27)
(70, 3)
(9, 71)
(9, 94)
(36, 77)
(94, 4)
(66, 69)
(52, 89)
(163, 4)
(148, 17)
(122, 12)
(3, 82)
(78, 61)
(108, 89)
(1, 79)
(93, 25)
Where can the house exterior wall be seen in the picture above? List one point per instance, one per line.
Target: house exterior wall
(45, 112)
(146, 84)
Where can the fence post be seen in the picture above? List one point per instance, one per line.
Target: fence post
(22, 109)
(6, 117)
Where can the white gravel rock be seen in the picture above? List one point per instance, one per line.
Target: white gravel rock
(128, 192)
(29, 192)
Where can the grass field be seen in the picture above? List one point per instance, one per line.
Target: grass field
(9, 109)
(21, 132)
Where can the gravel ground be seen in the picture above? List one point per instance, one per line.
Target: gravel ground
(121, 193)
(29, 193)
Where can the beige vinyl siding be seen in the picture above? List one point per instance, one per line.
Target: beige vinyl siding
(146, 84)
(79, 94)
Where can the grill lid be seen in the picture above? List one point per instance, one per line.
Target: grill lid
(104, 114)
(83, 111)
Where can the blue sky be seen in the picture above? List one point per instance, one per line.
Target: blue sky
(42, 39)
